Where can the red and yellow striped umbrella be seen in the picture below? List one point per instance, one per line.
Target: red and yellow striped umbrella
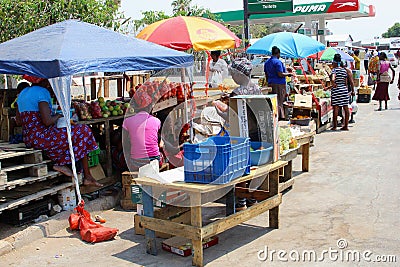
(182, 33)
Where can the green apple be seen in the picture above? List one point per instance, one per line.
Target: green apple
(101, 99)
(110, 108)
(120, 112)
(115, 113)
(105, 115)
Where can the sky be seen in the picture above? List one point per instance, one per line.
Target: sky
(359, 29)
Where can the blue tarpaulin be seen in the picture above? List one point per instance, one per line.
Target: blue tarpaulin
(73, 47)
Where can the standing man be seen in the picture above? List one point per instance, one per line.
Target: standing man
(367, 56)
(275, 74)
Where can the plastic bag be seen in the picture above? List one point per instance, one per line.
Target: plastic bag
(354, 106)
(89, 230)
(216, 78)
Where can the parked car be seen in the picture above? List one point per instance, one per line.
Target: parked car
(393, 60)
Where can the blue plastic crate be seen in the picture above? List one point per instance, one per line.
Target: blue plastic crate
(218, 160)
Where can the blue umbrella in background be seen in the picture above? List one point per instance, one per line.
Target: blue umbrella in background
(292, 45)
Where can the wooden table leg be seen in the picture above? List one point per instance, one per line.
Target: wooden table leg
(148, 209)
(306, 157)
(273, 191)
(230, 202)
(287, 172)
(108, 148)
(196, 220)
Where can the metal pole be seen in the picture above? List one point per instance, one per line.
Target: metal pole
(246, 23)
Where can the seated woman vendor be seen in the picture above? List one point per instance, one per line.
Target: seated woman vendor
(143, 132)
(40, 130)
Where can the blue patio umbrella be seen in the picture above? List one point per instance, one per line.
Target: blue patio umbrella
(292, 45)
(72, 47)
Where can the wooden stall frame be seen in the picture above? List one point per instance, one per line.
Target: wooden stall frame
(196, 231)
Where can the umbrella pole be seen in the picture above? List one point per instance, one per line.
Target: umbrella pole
(84, 88)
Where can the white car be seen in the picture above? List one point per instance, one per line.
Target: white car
(393, 60)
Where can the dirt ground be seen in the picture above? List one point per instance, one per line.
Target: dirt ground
(348, 202)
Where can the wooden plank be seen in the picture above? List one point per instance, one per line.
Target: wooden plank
(169, 227)
(273, 191)
(230, 202)
(23, 166)
(240, 217)
(196, 221)
(285, 185)
(18, 202)
(170, 102)
(287, 172)
(36, 157)
(204, 188)
(108, 148)
(93, 88)
(305, 157)
(29, 180)
(7, 155)
(259, 195)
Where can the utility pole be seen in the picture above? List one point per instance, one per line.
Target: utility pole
(246, 22)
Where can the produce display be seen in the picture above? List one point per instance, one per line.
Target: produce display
(320, 93)
(160, 90)
(100, 109)
(287, 140)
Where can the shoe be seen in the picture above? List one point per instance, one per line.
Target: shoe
(352, 121)
(251, 202)
(379, 109)
(240, 207)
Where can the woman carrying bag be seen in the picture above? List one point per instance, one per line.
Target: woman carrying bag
(383, 81)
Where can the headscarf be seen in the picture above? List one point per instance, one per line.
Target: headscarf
(32, 79)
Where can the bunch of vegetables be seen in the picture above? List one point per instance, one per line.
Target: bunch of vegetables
(100, 109)
(320, 93)
(160, 90)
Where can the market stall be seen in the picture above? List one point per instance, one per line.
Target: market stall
(58, 51)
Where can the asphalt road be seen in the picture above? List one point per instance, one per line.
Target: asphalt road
(351, 194)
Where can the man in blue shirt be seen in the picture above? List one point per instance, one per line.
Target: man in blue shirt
(275, 74)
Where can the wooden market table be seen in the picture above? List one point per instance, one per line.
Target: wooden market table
(267, 194)
(286, 180)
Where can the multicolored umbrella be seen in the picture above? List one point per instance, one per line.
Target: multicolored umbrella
(182, 33)
(330, 52)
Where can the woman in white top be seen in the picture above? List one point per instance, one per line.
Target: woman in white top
(218, 69)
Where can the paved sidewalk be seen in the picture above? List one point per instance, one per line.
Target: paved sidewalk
(352, 193)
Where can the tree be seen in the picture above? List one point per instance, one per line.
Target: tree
(149, 17)
(181, 7)
(19, 17)
(393, 31)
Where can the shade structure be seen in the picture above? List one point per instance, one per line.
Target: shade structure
(72, 47)
(292, 45)
(182, 33)
(60, 50)
(330, 52)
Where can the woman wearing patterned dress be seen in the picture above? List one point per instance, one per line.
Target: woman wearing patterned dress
(340, 93)
(40, 130)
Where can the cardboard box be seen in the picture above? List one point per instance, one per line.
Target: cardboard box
(364, 91)
(183, 247)
(255, 116)
(303, 101)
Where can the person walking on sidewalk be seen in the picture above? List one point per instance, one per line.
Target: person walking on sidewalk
(340, 93)
(367, 56)
(383, 80)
